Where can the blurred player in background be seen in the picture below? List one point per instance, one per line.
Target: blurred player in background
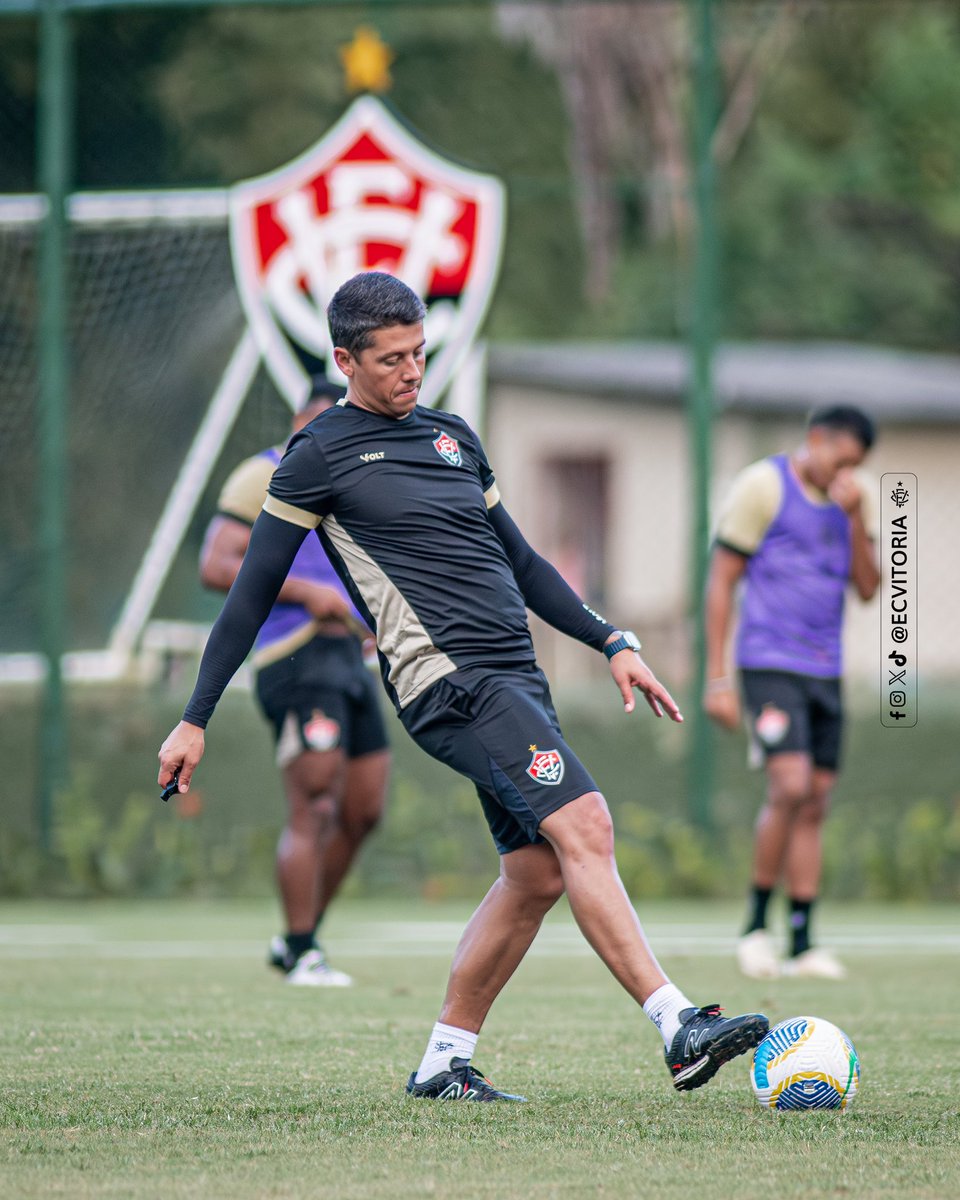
(323, 704)
(794, 531)
(407, 506)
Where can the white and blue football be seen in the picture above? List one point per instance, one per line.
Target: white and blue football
(805, 1063)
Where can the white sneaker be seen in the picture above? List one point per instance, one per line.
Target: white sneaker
(755, 956)
(312, 970)
(278, 955)
(815, 963)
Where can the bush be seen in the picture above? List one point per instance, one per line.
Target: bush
(894, 834)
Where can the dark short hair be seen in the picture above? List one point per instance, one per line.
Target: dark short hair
(845, 418)
(370, 301)
(322, 388)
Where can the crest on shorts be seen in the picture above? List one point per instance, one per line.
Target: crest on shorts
(771, 725)
(367, 196)
(546, 766)
(448, 448)
(320, 732)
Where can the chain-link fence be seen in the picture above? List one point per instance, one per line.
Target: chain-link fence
(836, 155)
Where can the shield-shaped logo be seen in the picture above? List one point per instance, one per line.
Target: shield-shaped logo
(321, 732)
(367, 196)
(447, 448)
(546, 766)
(771, 725)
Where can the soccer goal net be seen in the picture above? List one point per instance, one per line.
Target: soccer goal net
(166, 394)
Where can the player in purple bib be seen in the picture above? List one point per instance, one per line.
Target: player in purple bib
(314, 689)
(792, 536)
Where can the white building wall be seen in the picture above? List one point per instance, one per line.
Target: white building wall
(647, 534)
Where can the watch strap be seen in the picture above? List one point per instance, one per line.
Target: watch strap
(618, 644)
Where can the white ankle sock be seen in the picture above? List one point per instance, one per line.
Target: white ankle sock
(446, 1042)
(663, 1007)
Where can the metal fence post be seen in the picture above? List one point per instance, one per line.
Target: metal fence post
(700, 400)
(53, 154)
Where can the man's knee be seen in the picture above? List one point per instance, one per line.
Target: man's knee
(311, 813)
(582, 827)
(533, 873)
(364, 794)
(814, 810)
(358, 821)
(313, 783)
(789, 783)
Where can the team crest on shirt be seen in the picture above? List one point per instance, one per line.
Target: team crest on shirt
(771, 725)
(546, 766)
(320, 732)
(368, 196)
(448, 449)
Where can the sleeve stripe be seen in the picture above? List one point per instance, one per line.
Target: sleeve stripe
(492, 495)
(734, 549)
(235, 516)
(289, 512)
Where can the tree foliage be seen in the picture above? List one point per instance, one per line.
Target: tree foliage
(838, 143)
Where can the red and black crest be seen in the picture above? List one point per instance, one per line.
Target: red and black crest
(448, 448)
(367, 196)
(546, 766)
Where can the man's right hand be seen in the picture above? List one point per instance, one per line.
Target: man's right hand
(326, 604)
(721, 704)
(181, 752)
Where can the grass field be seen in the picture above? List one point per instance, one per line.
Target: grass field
(148, 1052)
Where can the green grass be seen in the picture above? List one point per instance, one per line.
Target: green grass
(147, 1052)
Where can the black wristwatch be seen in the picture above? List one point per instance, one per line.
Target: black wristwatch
(625, 640)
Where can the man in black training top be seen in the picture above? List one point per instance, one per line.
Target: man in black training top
(408, 511)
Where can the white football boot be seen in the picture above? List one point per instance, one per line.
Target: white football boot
(312, 970)
(814, 963)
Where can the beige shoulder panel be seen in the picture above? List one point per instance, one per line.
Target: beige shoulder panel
(243, 494)
(750, 506)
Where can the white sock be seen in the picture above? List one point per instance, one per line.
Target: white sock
(446, 1042)
(663, 1008)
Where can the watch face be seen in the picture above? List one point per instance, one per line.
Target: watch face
(631, 639)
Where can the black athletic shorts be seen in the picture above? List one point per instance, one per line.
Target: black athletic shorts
(500, 730)
(322, 697)
(788, 712)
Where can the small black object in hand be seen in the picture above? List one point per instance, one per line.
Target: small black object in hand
(172, 787)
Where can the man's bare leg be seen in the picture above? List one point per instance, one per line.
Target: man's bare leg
(358, 814)
(789, 786)
(579, 857)
(804, 858)
(500, 932)
(582, 835)
(313, 783)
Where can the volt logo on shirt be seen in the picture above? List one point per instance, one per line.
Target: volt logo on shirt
(447, 448)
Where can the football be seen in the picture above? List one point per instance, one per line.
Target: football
(805, 1063)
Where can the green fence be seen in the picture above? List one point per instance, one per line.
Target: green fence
(674, 170)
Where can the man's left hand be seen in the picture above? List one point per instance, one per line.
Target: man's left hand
(629, 671)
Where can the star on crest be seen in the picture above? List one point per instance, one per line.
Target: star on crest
(366, 62)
